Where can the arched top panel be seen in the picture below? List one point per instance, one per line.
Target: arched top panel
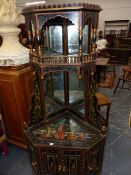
(73, 17)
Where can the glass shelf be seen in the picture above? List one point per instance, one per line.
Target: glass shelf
(51, 105)
(66, 131)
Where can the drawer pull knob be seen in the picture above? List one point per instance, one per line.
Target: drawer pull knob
(34, 163)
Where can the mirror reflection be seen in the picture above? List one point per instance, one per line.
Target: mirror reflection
(73, 44)
(55, 86)
(58, 81)
(60, 36)
(85, 39)
(54, 94)
(80, 107)
(76, 91)
(55, 38)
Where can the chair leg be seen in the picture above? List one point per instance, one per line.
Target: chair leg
(117, 85)
(114, 70)
(123, 84)
(107, 114)
(104, 71)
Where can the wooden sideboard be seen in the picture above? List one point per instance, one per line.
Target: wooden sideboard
(16, 88)
(119, 55)
(116, 55)
(119, 48)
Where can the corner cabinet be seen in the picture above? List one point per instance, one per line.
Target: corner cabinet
(66, 133)
(73, 155)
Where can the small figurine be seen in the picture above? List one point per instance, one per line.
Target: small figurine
(49, 133)
(60, 132)
(82, 136)
(71, 136)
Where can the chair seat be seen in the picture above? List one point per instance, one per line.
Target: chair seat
(107, 76)
(102, 100)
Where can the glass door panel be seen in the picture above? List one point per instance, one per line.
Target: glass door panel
(55, 40)
(76, 92)
(80, 107)
(54, 91)
(55, 86)
(73, 45)
(85, 39)
(58, 82)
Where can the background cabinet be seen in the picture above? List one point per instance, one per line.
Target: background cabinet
(117, 34)
(115, 27)
(16, 88)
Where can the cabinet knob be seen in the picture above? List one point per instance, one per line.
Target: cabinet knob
(34, 73)
(90, 168)
(64, 168)
(59, 167)
(34, 163)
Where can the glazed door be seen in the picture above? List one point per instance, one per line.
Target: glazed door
(73, 165)
(54, 162)
(95, 160)
(51, 164)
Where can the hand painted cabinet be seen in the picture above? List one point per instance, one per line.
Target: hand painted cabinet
(65, 133)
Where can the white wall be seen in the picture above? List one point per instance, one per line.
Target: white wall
(112, 9)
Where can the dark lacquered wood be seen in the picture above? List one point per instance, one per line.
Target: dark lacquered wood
(55, 146)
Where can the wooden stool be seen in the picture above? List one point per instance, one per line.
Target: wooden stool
(103, 100)
(125, 77)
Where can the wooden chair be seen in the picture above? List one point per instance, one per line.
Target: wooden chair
(103, 100)
(125, 78)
